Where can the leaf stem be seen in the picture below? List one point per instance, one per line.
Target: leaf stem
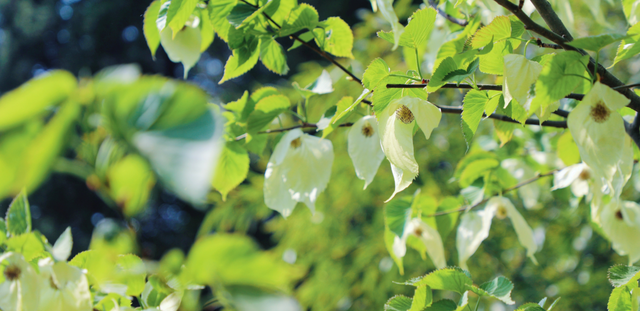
(418, 63)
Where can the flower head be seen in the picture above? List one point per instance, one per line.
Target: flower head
(298, 171)
(364, 148)
(396, 123)
(578, 176)
(429, 237)
(621, 223)
(598, 130)
(183, 46)
(20, 288)
(65, 287)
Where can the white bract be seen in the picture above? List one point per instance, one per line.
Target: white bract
(519, 74)
(20, 289)
(364, 148)
(578, 176)
(429, 237)
(396, 124)
(386, 8)
(598, 130)
(65, 287)
(298, 171)
(184, 46)
(620, 221)
(474, 228)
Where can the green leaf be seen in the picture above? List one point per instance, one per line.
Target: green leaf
(476, 170)
(567, 149)
(596, 43)
(242, 60)
(322, 85)
(472, 112)
(396, 214)
(130, 182)
(559, 77)
(498, 29)
(232, 168)
(206, 29)
(113, 301)
(398, 303)
(218, 12)
(233, 259)
(389, 238)
(530, 306)
(422, 298)
(19, 215)
(443, 305)
(447, 66)
(306, 37)
(34, 97)
(620, 299)
(499, 288)
(338, 38)
(375, 73)
(446, 223)
(131, 270)
(273, 57)
(493, 62)
(149, 27)
(450, 278)
(3, 231)
(621, 275)
(304, 16)
(179, 12)
(62, 248)
(629, 46)
(417, 32)
(265, 111)
(389, 14)
(30, 245)
(383, 95)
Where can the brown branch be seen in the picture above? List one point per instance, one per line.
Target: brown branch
(444, 14)
(520, 185)
(628, 86)
(551, 18)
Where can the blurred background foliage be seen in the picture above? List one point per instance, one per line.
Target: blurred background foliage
(341, 246)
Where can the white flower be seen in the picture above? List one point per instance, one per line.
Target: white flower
(298, 171)
(184, 46)
(578, 176)
(621, 223)
(396, 123)
(364, 148)
(519, 74)
(598, 130)
(20, 288)
(428, 235)
(65, 287)
(474, 228)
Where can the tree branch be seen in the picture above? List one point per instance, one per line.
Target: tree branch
(551, 18)
(444, 14)
(520, 185)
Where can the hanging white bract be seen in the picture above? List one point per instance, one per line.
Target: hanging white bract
(396, 133)
(298, 171)
(364, 148)
(20, 289)
(427, 235)
(620, 221)
(184, 46)
(66, 287)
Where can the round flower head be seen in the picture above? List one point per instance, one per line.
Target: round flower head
(20, 288)
(364, 148)
(396, 124)
(183, 46)
(429, 237)
(621, 223)
(598, 130)
(298, 171)
(65, 287)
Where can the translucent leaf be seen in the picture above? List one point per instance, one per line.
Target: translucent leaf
(596, 43)
(132, 272)
(389, 14)
(206, 30)
(499, 288)
(472, 111)
(266, 110)
(179, 12)
(31, 245)
(492, 62)
(218, 12)
(233, 167)
(397, 214)
(304, 16)
(383, 95)
(306, 37)
(450, 278)
(530, 306)
(62, 248)
(398, 303)
(620, 275)
(375, 73)
(34, 96)
(419, 28)
(242, 60)
(498, 29)
(629, 46)
(149, 27)
(19, 215)
(443, 305)
(344, 109)
(422, 298)
(113, 301)
(338, 38)
(559, 77)
(273, 57)
(438, 79)
(130, 182)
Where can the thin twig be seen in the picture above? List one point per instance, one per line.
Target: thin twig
(520, 185)
(444, 14)
(628, 86)
(299, 126)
